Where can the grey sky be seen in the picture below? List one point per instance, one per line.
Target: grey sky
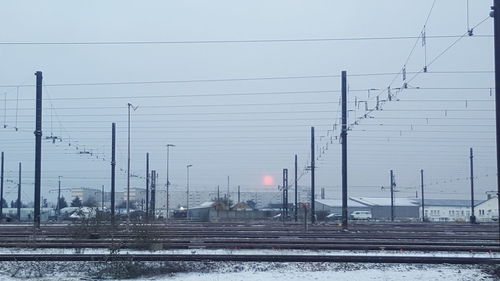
(240, 136)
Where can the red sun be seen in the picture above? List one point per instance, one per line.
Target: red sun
(268, 180)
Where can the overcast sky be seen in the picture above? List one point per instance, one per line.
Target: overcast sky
(257, 133)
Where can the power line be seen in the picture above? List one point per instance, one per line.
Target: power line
(304, 119)
(449, 48)
(266, 112)
(245, 104)
(238, 79)
(194, 105)
(379, 38)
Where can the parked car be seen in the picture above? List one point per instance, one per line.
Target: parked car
(334, 217)
(361, 215)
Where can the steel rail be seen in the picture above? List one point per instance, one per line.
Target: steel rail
(248, 258)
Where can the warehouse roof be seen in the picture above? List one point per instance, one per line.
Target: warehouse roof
(372, 202)
(450, 202)
(338, 203)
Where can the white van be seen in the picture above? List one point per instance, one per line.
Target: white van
(361, 215)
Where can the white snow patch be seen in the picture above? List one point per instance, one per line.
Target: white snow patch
(293, 272)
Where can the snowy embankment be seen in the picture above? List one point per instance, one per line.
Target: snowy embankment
(45, 271)
(203, 271)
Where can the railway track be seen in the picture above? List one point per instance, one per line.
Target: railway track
(369, 236)
(249, 258)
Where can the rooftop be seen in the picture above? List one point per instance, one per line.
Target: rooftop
(338, 203)
(402, 202)
(450, 202)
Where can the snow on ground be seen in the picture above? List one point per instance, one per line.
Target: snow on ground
(250, 271)
(392, 274)
(233, 271)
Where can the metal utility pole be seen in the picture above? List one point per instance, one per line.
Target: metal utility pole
(296, 192)
(285, 194)
(129, 105)
(102, 198)
(147, 185)
(392, 195)
(19, 204)
(168, 179)
(38, 149)
(153, 193)
(128, 164)
(1, 187)
(423, 198)
(58, 197)
(239, 194)
(187, 190)
(228, 191)
(113, 165)
(496, 16)
(313, 211)
(344, 150)
(218, 201)
(472, 217)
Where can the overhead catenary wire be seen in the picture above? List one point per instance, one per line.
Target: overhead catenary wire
(237, 79)
(327, 102)
(405, 81)
(450, 47)
(270, 112)
(159, 42)
(403, 71)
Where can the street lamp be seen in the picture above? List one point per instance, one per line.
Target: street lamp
(187, 191)
(129, 105)
(168, 180)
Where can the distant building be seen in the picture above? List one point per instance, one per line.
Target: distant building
(404, 208)
(85, 194)
(335, 206)
(487, 210)
(137, 195)
(447, 210)
(177, 198)
(208, 211)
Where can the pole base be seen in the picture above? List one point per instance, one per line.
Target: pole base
(473, 219)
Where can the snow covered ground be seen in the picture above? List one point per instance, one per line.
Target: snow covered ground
(377, 272)
(233, 271)
(251, 271)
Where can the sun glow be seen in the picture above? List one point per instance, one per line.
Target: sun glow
(268, 180)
